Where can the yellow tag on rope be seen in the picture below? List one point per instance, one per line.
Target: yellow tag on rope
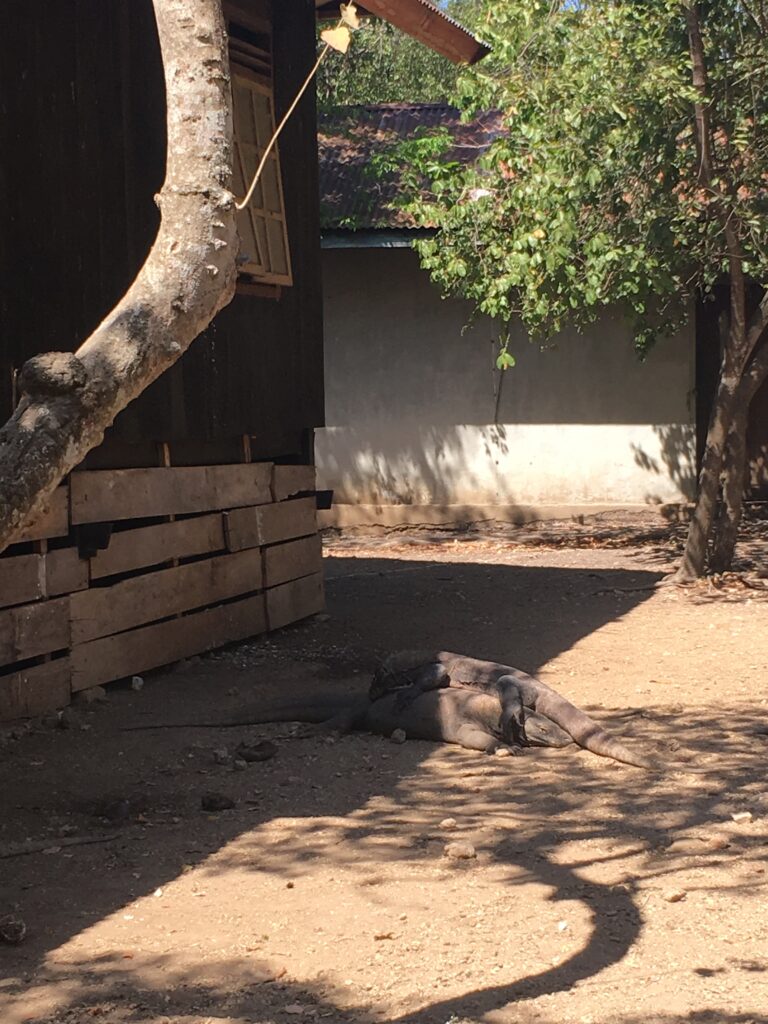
(349, 16)
(337, 38)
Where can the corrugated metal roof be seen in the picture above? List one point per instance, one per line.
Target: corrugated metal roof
(351, 196)
(425, 22)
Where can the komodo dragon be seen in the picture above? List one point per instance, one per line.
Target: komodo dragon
(407, 674)
(463, 716)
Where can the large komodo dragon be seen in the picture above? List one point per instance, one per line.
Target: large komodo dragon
(462, 715)
(406, 675)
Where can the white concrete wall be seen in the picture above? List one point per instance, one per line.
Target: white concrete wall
(411, 402)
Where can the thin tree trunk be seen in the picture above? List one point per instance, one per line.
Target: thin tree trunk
(726, 528)
(68, 400)
(694, 560)
(735, 464)
(736, 350)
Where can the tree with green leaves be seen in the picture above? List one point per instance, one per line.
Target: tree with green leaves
(632, 169)
(383, 65)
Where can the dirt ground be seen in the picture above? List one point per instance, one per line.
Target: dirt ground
(599, 894)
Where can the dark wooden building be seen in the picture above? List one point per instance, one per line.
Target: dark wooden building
(193, 524)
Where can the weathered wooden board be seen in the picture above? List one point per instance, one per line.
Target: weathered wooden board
(293, 601)
(161, 643)
(32, 629)
(104, 496)
(150, 545)
(290, 480)
(20, 579)
(289, 561)
(54, 523)
(270, 524)
(65, 572)
(287, 519)
(102, 611)
(35, 690)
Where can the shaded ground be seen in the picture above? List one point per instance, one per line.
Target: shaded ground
(598, 893)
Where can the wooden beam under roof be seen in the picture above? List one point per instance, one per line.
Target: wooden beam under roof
(423, 21)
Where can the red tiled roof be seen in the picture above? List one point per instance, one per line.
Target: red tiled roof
(350, 195)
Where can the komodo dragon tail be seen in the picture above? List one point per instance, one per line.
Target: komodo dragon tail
(586, 732)
(312, 711)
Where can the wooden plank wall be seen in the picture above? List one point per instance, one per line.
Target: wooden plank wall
(82, 154)
(239, 555)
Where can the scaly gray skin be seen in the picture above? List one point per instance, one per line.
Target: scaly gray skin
(465, 717)
(407, 674)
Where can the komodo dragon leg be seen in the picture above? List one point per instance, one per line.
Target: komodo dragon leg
(407, 675)
(408, 683)
(512, 721)
(474, 737)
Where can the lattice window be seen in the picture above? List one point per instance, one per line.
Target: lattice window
(264, 254)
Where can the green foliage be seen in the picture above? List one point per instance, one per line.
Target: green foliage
(593, 195)
(383, 65)
(505, 360)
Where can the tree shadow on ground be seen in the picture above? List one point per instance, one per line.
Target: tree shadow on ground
(542, 825)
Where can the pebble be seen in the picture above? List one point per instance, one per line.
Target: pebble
(216, 802)
(448, 823)
(239, 764)
(12, 930)
(502, 752)
(66, 718)
(221, 756)
(742, 816)
(137, 683)
(460, 851)
(115, 809)
(256, 752)
(398, 736)
(674, 895)
(717, 843)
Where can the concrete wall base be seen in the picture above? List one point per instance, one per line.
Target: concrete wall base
(387, 517)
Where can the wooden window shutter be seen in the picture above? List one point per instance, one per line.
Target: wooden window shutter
(264, 253)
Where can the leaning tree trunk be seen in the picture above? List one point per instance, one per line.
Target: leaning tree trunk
(735, 463)
(68, 400)
(694, 558)
(726, 529)
(735, 351)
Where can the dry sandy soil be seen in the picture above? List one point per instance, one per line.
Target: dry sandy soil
(598, 893)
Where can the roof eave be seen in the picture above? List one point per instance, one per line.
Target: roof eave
(372, 238)
(423, 21)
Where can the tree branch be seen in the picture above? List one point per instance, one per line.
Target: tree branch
(68, 401)
(757, 323)
(706, 176)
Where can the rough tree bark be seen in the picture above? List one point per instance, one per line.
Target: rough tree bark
(68, 400)
(735, 465)
(735, 350)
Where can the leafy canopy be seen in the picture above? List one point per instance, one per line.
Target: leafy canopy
(592, 193)
(383, 65)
